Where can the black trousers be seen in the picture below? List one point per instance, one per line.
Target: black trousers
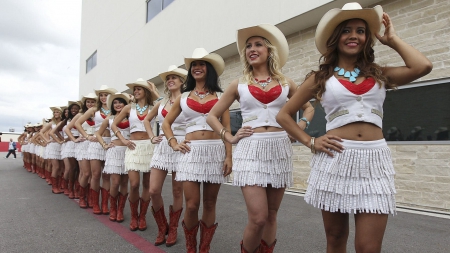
(11, 151)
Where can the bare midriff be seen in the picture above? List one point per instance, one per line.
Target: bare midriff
(202, 135)
(358, 131)
(139, 136)
(265, 129)
(118, 143)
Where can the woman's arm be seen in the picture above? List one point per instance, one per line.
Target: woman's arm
(302, 95)
(223, 105)
(416, 64)
(54, 133)
(41, 133)
(228, 163)
(148, 126)
(171, 116)
(308, 109)
(70, 126)
(101, 130)
(89, 114)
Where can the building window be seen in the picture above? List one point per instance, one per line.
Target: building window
(156, 6)
(416, 112)
(91, 62)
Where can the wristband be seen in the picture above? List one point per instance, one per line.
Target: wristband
(168, 140)
(307, 122)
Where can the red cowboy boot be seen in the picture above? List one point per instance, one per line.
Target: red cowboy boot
(191, 238)
(105, 198)
(55, 188)
(134, 215)
(120, 206)
(113, 209)
(89, 197)
(173, 226)
(163, 227)
(265, 248)
(206, 236)
(243, 250)
(142, 213)
(82, 202)
(69, 188)
(95, 195)
(76, 192)
(63, 183)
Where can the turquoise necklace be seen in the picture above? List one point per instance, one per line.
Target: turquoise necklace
(141, 110)
(351, 75)
(106, 112)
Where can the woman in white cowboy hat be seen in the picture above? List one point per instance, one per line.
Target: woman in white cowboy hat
(206, 159)
(139, 149)
(115, 155)
(165, 158)
(36, 139)
(31, 148)
(81, 146)
(352, 170)
(262, 174)
(53, 149)
(68, 149)
(95, 152)
(26, 147)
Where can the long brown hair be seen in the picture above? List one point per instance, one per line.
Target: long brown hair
(365, 61)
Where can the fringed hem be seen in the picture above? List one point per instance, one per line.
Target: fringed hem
(42, 152)
(263, 159)
(31, 148)
(96, 151)
(24, 148)
(53, 151)
(356, 180)
(204, 163)
(139, 159)
(164, 158)
(69, 150)
(81, 150)
(115, 160)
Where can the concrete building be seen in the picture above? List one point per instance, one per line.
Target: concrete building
(124, 40)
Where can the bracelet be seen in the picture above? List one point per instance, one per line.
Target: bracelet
(115, 133)
(168, 140)
(222, 134)
(307, 122)
(151, 139)
(312, 147)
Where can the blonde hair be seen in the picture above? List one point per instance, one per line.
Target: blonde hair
(166, 89)
(273, 63)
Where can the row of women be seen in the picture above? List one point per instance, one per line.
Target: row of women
(351, 167)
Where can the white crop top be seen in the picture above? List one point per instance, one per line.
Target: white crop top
(64, 135)
(136, 125)
(257, 114)
(90, 130)
(178, 126)
(98, 119)
(74, 131)
(195, 121)
(343, 107)
(125, 132)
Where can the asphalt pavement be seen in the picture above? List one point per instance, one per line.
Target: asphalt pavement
(32, 219)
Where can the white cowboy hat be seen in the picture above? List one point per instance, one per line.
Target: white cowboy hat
(73, 102)
(89, 96)
(63, 107)
(38, 124)
(142, 83)
(105, 89)
(200, 54)
(53, 108)
(173, 70)
(111, 98)
(28, 125)
(331, 19)
(269, 32)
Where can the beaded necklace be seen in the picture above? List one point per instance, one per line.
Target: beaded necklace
(263, 83)
(201, 95)
(106, 112)
(141, 110)
(351, 75)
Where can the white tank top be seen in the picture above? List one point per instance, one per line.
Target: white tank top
(178, 126)
(74, 131)
(257, 114)
(125, 132)
(136, 125)
(195, 121)
(98, 120)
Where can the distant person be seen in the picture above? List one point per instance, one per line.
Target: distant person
(12, 148)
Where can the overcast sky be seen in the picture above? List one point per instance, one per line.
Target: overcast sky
(39, 58)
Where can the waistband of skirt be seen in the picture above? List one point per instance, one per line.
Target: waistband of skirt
(206, 142)
(350, 144)
(141, 142)
(267, 135)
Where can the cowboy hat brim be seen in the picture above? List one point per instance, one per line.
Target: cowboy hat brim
(215, 60)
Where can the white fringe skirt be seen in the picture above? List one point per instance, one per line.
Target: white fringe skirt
(360, 179)
(139, 159)
(262, 159)
(31, 148)
(68, 150)
(81, 150)
(41, 152)
(24, 148)
(96, 151)
(204, 163)
(115, 160)
(164, 158)
(53, 151)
